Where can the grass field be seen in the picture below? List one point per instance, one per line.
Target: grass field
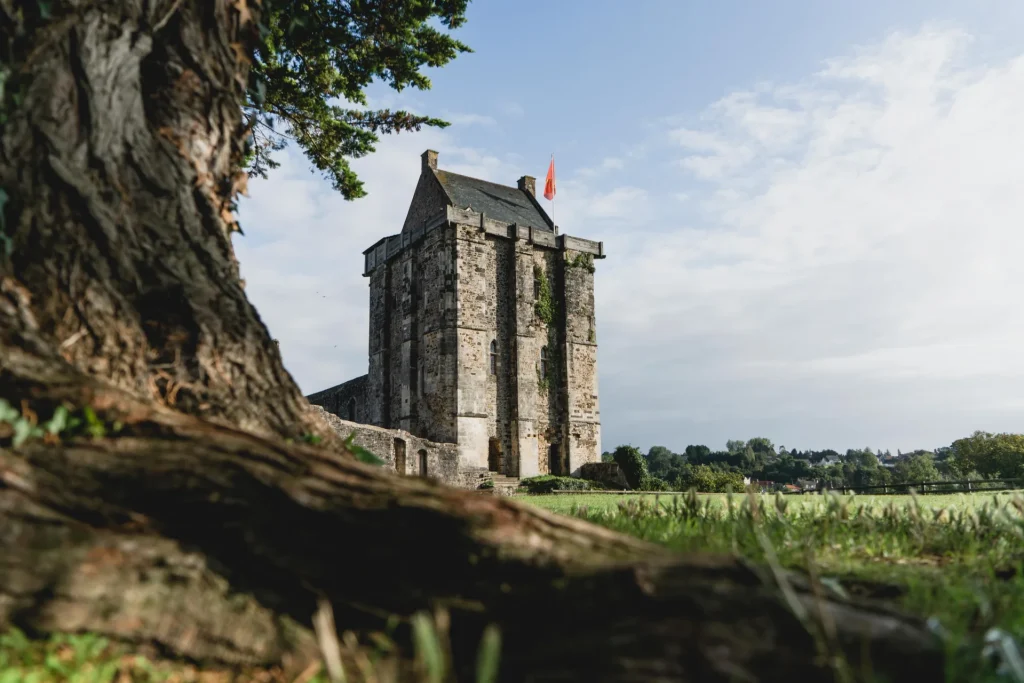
(956, 559)
(596, 501)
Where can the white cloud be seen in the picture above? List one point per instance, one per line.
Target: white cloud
(861, 229)
(607, 164)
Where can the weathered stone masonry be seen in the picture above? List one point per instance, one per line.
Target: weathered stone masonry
(482, 331)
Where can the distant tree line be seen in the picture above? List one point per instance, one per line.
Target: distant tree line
(977, 457)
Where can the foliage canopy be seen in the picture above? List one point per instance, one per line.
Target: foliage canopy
(313, 61)
(633, 465)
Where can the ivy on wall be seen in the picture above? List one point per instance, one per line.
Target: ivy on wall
(544, 306)
(545, 380)
(584, 261)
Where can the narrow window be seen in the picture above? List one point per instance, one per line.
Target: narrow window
(400, 456)
(494, 357)
(536, 284)
(351, 410)
(544, 361)
(423, 462)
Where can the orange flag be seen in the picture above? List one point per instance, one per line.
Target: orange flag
(549, 182)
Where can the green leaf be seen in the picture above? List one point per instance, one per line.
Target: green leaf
(315, 54)
(428, 647)
(363, 455)
(489, 655)
(59, 422)
(54, 664)
(93, 424)
(108, 671)
(23, 430)
(8, 413)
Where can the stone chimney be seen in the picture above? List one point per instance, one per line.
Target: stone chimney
(528, 184)
(429, 160)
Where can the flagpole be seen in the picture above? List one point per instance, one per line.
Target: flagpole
(554, 226)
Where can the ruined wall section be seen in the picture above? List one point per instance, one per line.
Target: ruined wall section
(347, 400)
(583, 417)
(402, 452)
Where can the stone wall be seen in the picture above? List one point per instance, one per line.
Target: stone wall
(583, 415)
(401, 451)
(412, 376)
(549, 376)
(476, 268)
(608, 473)
(429, 200)
(347, 401)
(435, 394)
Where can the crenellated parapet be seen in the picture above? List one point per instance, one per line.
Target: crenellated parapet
(392, 246)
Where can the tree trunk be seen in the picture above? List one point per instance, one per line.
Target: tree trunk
(121, 160)
(194, 526)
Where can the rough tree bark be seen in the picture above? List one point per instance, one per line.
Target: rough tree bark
(196, 527)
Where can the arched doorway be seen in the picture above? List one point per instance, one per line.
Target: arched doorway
(494, 455)
(400, 456)
(423, 462)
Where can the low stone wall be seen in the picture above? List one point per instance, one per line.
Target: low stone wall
(608, 473)
(394, 446)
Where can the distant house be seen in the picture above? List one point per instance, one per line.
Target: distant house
(790, 488)
(762, 486)
(829, 460)
(807, 484)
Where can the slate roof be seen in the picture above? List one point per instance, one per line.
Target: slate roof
(500, 202)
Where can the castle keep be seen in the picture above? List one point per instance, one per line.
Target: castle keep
(482, 333)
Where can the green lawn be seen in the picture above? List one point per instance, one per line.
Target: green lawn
(958, 559)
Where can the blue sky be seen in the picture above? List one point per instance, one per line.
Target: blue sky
(811, 209)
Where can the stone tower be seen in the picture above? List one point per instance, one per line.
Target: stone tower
(482, 330)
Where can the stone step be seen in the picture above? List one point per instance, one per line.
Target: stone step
(502, 484)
